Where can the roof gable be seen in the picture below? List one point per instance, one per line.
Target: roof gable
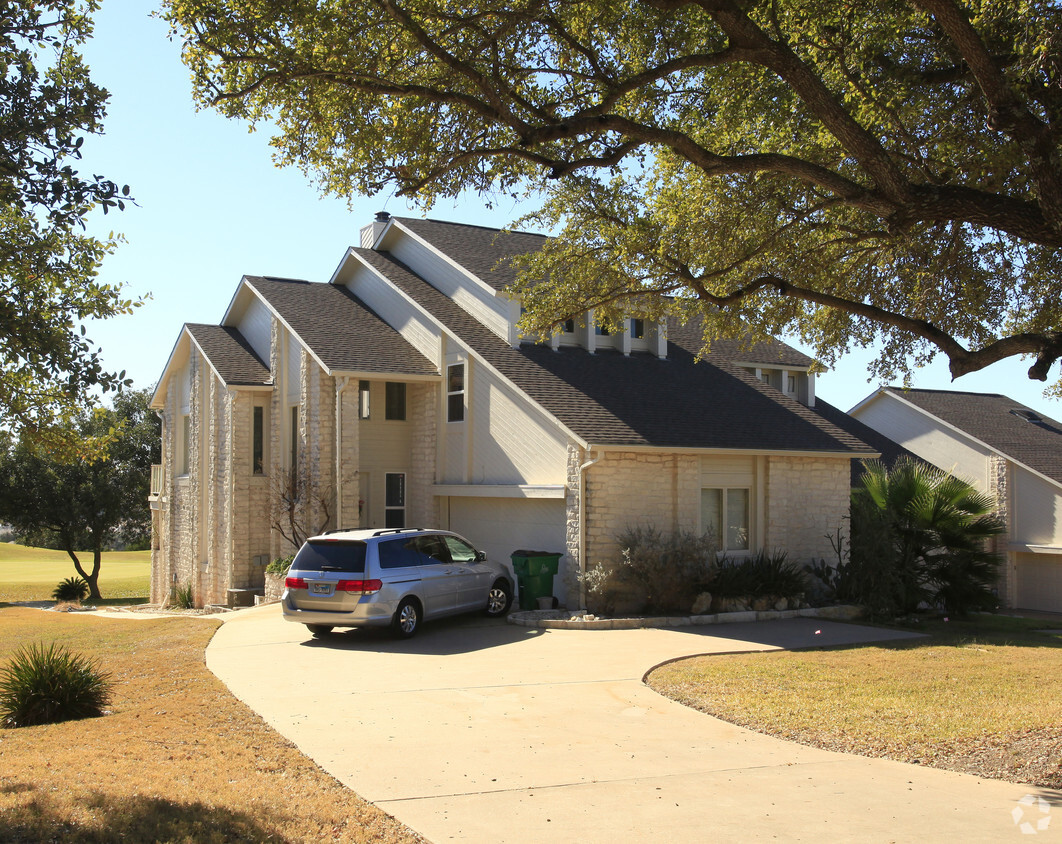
(988, 417)
(484, 252)
(230, 355)
(339, 329)
(638, 400)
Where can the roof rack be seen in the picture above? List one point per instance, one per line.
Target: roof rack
(396, 530)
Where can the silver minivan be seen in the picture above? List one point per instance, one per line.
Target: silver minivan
(395, 577)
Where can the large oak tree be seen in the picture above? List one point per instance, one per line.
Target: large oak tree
(48, 264)
(859, 173)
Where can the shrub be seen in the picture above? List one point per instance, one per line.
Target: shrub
(280, 565)
(184, 597)
(48, 685)
(72, 590)
(661, 572)
(919, 538)
(763, 575)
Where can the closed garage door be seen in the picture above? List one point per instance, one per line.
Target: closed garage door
(1039, 585)
(499, 526)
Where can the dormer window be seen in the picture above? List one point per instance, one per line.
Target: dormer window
(568, 326)
(600, 330)
(637, 329)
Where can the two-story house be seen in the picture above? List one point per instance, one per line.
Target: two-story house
(400, 393)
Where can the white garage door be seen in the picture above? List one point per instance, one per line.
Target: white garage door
(1039, 584)
(500, 526)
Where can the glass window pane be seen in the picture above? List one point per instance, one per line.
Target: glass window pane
(460, 552)
(455, 408)
(395, 401)
(395, 490)
(712, 513)
(258, 446)
(737, 519)
(363, 399)
(455, 378)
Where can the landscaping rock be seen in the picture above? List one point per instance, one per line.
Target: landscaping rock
(702, 604)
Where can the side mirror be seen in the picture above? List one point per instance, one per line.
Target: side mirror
(481, 557)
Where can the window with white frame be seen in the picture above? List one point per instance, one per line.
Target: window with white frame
(790, 384)
(363, 399)
(455, 392)
(725, 512)
(637, 329)
(395, 500)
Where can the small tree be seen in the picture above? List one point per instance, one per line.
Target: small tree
(84, 502)
(302, 506)
(919, 535)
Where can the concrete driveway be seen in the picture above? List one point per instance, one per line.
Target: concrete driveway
(481, 731)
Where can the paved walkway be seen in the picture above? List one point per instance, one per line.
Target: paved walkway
(485, 732)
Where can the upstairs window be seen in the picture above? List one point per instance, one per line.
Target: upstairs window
(455, 393)
(637, 329)
(294, 456)
(568, 326)
(363, 399)
(258, 440)
(790, 384)
(395, 402)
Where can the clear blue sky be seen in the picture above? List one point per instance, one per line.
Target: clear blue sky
(213, 207)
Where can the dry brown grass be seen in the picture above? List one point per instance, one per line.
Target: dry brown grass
(986, 701)
(178, 760)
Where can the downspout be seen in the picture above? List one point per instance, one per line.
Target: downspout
(582, 525)
(341, 385)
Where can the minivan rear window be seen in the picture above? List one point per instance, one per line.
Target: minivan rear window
(331, 555)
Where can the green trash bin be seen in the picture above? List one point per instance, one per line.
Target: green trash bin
(534, 572)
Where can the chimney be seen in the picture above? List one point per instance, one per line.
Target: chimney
(370, 234)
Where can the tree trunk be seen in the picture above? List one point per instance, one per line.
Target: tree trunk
(91, 579)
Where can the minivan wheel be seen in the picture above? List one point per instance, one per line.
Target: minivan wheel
(499, 599)
(407, 619)
(319, 630)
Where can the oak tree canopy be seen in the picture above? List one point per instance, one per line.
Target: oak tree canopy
(48, 264)
(855, 173)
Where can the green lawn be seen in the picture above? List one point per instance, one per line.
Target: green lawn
(30, 574)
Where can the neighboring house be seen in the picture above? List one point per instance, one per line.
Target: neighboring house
(1006, 450)
(403, 394)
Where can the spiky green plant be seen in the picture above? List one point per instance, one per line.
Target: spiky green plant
(184, 596)
(73, 590)
(938, 528)
(46, 685)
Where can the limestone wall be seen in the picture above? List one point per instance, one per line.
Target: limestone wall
(806, 499)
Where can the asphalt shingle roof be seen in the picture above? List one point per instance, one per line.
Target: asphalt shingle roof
(231, 355)
(480, 250)
(640, 400)
(340, 329)
(890, 451)
(989, 418)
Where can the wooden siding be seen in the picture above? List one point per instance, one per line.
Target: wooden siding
(1036, 511)
(475, 298)
(391, 306)
(929, 439)
(256, 326)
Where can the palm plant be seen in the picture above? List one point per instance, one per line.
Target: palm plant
(938, 527)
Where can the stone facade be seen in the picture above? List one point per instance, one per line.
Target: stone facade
(214, 524)
(807, 498)
(999, 488)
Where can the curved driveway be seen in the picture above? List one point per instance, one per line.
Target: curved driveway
(487, 732)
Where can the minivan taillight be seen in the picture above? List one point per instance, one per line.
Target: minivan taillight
(295, 583)
(365, 587)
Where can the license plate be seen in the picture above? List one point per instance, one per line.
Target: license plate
(322, 589)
